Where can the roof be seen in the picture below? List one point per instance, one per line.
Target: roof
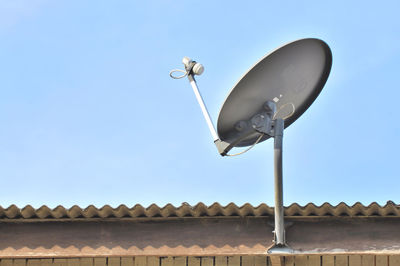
(390, 209)
(198, 230)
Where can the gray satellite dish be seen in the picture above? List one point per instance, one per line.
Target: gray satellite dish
(268, 98)
(291, 76)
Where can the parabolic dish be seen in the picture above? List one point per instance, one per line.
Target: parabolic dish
(291, 76)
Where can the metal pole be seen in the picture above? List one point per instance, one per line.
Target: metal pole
(279, 215)
(203, 107)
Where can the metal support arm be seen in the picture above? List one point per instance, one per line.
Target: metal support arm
(203, 107)
(279, 215)
(222, 146)
(280, 245)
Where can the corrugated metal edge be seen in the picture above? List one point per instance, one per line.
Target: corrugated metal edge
(199, 210)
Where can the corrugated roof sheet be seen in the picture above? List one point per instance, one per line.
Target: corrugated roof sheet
(199, 210)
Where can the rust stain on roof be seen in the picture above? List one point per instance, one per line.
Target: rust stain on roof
(198, 210)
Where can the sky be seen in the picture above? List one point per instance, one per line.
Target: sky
(89, 114)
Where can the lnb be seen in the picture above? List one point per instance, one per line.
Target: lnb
(192, 66)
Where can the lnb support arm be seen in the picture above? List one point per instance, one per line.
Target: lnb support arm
(203, 107)
(223, 147)
(193, 68)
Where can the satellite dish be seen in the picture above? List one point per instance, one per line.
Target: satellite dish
(268, 98)
(292, 76)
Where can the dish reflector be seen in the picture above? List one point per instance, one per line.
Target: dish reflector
(292, 76)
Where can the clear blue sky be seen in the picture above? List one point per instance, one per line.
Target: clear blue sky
(89, 114)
